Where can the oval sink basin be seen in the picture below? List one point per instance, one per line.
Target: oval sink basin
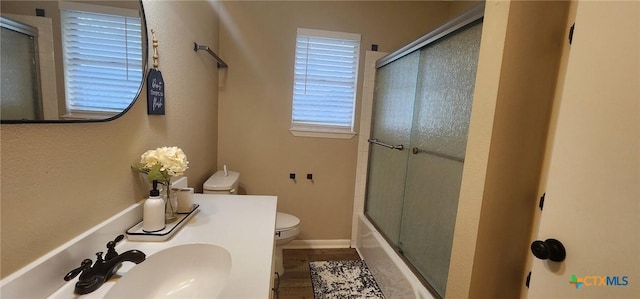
(183, 271)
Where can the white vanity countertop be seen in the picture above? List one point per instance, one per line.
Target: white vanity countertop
(244, 225)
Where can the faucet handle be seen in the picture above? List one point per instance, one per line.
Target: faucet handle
(99, 257)
(111, 246)
(85, 265)
(118, 238)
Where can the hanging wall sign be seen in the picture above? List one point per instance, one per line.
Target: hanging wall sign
(155, 92)
(155, 84)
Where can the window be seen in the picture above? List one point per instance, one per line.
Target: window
(324, 88)
(102, 52)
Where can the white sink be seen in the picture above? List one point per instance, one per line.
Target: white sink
(184, 271)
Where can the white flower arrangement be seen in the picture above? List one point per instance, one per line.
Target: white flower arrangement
(163, 163)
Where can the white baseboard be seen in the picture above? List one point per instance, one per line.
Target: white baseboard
(318, 244)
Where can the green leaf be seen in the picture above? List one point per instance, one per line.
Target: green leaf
(139, 169)
(156, 175)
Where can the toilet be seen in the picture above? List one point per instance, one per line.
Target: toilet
(287, 225)
(287, 229)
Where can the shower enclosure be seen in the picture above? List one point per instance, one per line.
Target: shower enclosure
(21, 95)
(421, 112)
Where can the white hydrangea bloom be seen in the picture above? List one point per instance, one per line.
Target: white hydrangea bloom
(171, 161)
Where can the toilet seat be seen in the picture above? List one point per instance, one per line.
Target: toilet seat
(287, 226)
(286, 221)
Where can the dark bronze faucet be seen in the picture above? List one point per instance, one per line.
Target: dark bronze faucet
(93, 277)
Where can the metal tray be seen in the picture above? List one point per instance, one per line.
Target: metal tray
(135, 233)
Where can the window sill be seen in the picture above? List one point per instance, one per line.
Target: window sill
(336, 134)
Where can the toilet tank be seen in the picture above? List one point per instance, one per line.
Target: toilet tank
(218, 183)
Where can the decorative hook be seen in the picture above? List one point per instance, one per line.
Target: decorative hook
(155, 49)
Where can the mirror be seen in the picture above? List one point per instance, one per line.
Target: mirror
(92, 72)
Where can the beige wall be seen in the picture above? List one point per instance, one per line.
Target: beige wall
(257, 40)
(58, 180)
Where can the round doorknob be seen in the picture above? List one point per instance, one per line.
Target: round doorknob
(550, 249)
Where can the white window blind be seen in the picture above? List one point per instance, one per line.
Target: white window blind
(103, 58)
(325, 77)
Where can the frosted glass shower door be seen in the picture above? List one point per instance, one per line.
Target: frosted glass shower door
(20, 86)
(442, 110)
(395, 90)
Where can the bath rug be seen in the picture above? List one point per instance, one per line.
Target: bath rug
(343, 279)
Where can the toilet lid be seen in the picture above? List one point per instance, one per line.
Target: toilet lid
(286, 221)
(219, 182)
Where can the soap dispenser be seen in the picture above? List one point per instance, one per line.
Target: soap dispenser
(153, 211)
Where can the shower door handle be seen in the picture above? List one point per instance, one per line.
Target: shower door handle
(378, 142)
(416, 150)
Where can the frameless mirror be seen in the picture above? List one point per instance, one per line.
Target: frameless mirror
(70, 61)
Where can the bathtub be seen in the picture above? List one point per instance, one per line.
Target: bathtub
(394, 277)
